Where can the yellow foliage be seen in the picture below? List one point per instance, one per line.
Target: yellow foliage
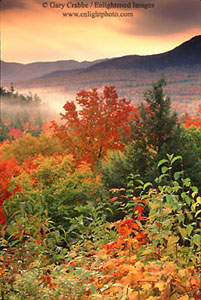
(146, 286)
(172, 240)
(182, 273)
(28, 145)
(185, 297)
(168, 210)
(198, 199)
(20, 148)
(24, 181)
(160, 285)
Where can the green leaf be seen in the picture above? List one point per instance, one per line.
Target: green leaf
(183, 195)
(161, 162)
(140, 181)
(183, 232)
(186, 182)
(188, 200)
(177, 175)
(92, 288)
(109, 209)
(157, 180)
(170, 199)
(164, 170)
(169, 189)
(195, 189)
(189, 229)
(175, 159)
(78, 271)
(146, 185)
(170, 156)
(196, 239)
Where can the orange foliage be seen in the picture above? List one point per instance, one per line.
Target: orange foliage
(120, 272)
(193, 120)
(95, 125)
(8, 169)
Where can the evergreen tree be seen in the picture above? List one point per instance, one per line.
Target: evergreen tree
(155, 124)
(155, 130)
(12, 89)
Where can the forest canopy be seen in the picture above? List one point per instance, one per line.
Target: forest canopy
(104, 204)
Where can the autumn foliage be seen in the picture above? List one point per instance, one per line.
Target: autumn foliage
(95, 125)
(65, 235)
(193, 120)
(8, 169)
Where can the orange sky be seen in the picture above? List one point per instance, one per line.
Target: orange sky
(30, 32)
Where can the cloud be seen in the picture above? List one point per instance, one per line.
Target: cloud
(17, 4)
(13, 4)
(167, 17)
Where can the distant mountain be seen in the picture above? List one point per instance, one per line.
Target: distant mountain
(131, 75)
(15, 72)
(187, 54)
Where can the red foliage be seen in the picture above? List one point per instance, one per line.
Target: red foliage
(193, 120)
(2, 216)
(47, 279)
(96, 125)
(15, 133)
(8, 169)
(138, 208)
(113, 199)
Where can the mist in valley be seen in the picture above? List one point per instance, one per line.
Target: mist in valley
(49, 107)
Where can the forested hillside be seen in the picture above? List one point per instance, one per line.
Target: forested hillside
(132, 74)
(104, 203)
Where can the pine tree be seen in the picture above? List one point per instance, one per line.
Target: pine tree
(155, 133)
(154, 130)
(155, 124)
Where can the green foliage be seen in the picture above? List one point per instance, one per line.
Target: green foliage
(195, 134)
(41, 259)
(190, 147)
(28, 244)
(35, 283)
(27, 287)
(115, 168)
(155, 132)
(174, 217)
(91, 226)
(155, 125)
(56, 186)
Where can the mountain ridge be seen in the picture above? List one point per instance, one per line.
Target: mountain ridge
(14, 72)
(131, 75)
(193, 44)
(172, 58)
(186, 54)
